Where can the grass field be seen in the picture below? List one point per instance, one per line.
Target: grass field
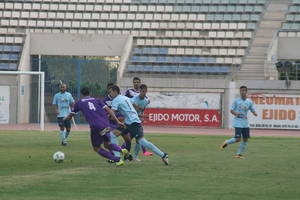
(197, 170)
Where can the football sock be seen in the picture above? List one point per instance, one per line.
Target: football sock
(242, 148)
(108, 155)
(144, 149)
(136, 150)
(126, 145)
(67, 134)
(151, 146)
(231, 141)
(114, 140)
(114, 147)
(62, 136)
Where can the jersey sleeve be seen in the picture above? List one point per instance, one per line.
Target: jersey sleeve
(71, 98)
(233, 107)
(127, 93)
(251, 107)
(101, 104)
(115, 104)
(54, 102)
(76, 108)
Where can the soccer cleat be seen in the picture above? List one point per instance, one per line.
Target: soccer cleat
(124, 152)
(128, 157)
(63, 144)
(147, 153)
(239, 156)
(223, 146)
(165, 159)
(110, 161)
(120, 163)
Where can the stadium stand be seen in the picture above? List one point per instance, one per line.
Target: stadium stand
(213, 36)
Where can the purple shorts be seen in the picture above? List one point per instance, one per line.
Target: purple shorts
(97, 139)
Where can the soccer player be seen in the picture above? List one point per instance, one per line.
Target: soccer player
(239, 109)
(63, 102)
(95, 112)
(132, 122)
(132, 92)
(136, 88)
(140, 102)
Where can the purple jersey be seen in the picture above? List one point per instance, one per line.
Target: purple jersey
(131, 92)
(93, 111)
(107, 101)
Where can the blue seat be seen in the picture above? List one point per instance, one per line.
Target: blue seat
(168, 69)
(131, 68)
(163, 50)
(148, 68)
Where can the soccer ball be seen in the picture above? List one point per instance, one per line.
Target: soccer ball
(58, 156)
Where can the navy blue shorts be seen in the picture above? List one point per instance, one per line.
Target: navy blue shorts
(97, 139)
(135, 130)
(61, 122)
(242, 132)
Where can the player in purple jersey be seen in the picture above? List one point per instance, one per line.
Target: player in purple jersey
(95, 113)
(130, 93)
(136, 88)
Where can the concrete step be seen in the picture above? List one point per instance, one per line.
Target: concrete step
(270, 24)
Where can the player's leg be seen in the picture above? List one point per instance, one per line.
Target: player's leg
(114, 140)
(243, 144)
(67, 124)
(61, 130)
(236, 138)
(137, 149)
(145, 152)
(136, 131)
(97, 140)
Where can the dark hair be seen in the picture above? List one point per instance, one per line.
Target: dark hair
(115, 88)
(243, 87)
(85, 91)
(143, 86)
(109, 85)
(136, 79)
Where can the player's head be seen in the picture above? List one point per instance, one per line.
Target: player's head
(243, 91)
(136, 82)
(62, 87)
(85, 91)
(143, 91)
(114, 91)
(109, 85)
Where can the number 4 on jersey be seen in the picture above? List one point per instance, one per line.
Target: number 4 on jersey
(92, 106)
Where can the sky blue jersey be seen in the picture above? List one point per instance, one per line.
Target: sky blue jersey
(143, 103)
(125, 107)
(242, 106)
(63, 101)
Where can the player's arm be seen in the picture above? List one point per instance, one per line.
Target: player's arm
(236, 114)
(253, 110)
(55, 105)
(69, 116)
(112, 114)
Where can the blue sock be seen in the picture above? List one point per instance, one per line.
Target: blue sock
(114, 140)
(67, 134)
(231, 141)
(137, 149)
(151, 146)
(62, 136)
(242, 148)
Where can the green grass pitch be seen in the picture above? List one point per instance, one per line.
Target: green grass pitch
(197, 170)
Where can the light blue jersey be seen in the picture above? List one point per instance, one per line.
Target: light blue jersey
(143, 103)
(125, 107)
(63, 101)
(242, 106)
